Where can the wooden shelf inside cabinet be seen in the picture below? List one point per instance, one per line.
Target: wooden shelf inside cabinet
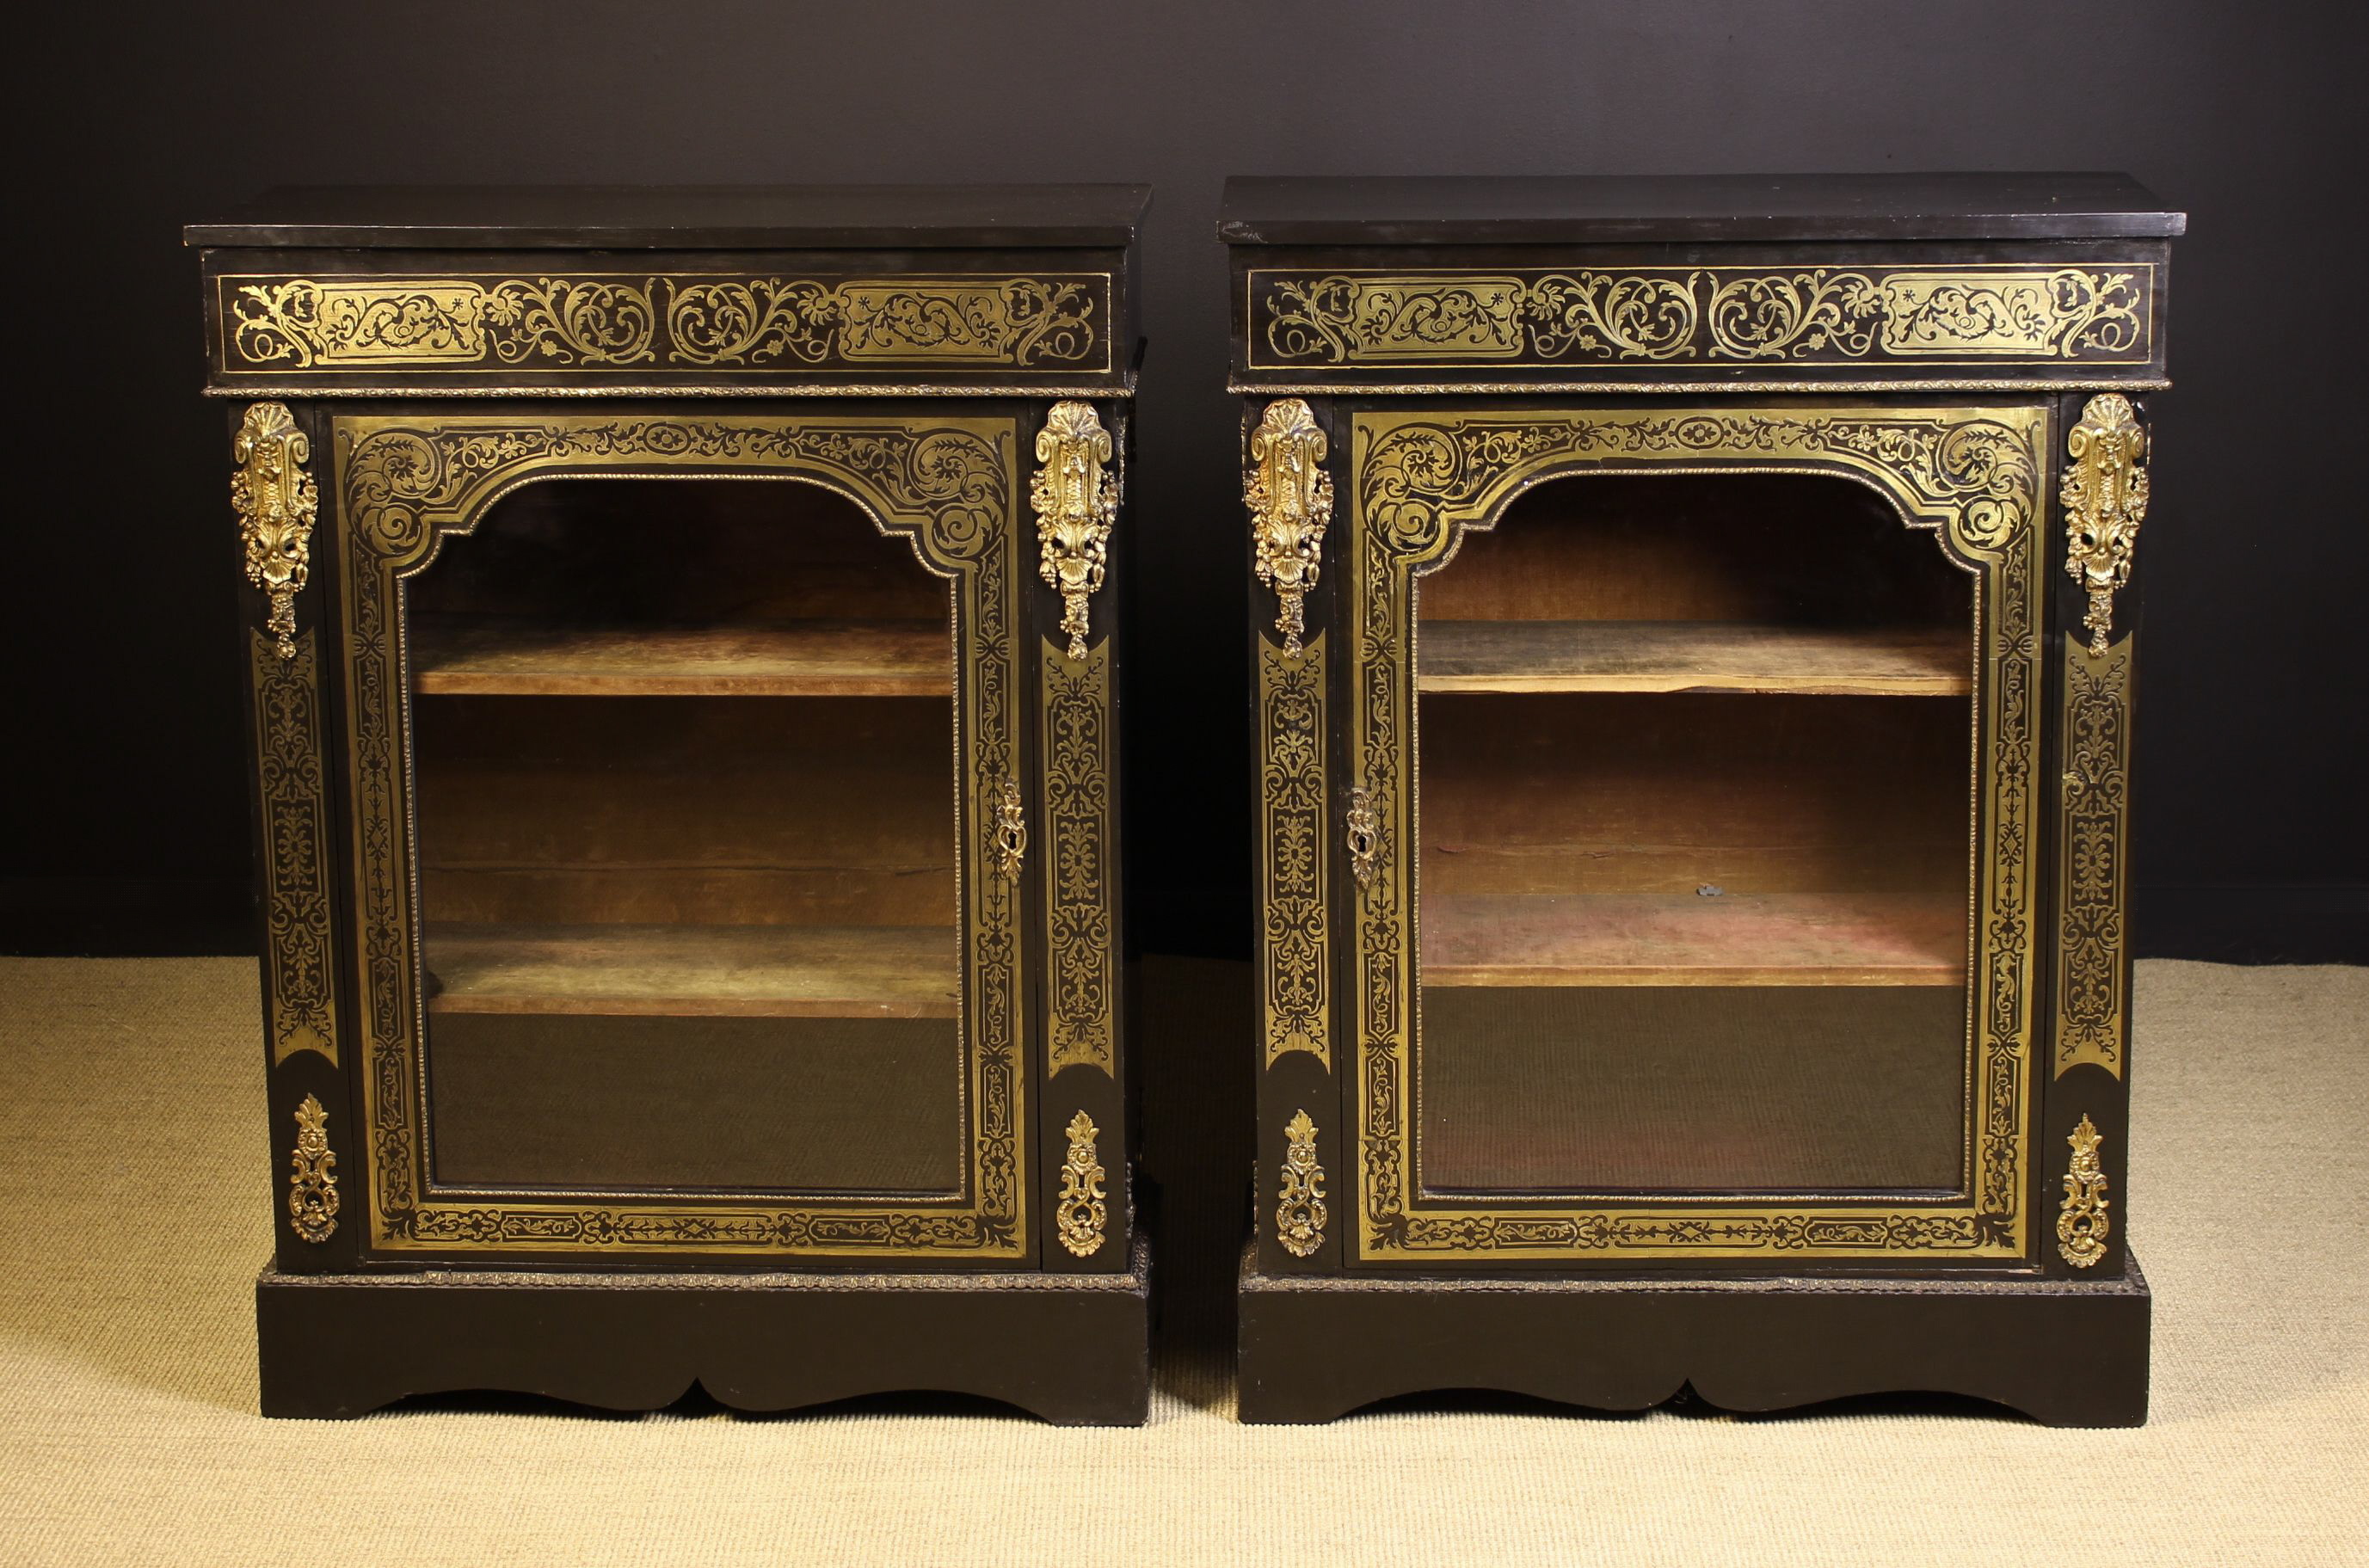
(1767, 939)
(465, 655)
(1691, 656)
(724, 971)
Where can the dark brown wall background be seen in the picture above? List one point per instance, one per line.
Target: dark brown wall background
(126, 817)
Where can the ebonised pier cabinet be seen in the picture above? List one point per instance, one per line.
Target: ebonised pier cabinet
(680, 646)
(1693, 662)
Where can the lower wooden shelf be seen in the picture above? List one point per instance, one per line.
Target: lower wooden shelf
(745, 972)
(465, 655)
(1765, 939)
(1692, 655)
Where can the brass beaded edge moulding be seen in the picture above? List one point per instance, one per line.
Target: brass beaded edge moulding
(946, 484)
(1974, 475)
(1299, 1214)
(1080, 1214)
(1710, 315)
(275, 323)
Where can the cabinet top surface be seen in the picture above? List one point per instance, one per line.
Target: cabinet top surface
(1573, 208)
(800, 217)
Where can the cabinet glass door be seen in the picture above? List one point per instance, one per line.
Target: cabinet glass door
(1693, 857)
(1691, 759)
(688, 897)
(687, 804)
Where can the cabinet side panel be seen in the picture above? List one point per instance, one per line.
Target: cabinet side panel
(309, 1121)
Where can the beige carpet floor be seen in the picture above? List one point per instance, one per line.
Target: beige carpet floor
(133, 1176)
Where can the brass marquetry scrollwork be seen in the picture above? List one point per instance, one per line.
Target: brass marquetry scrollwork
(2105, 490)
(2081, 1223)
(1651, 315)
(1597, 315)
(1080, 1214)
(313, 1177)
(948, 485)
(277, 502)
(1377, 316)
(1792, 315)
(1076, 501)
(1294, 805)
(665, 321)
(1423, 479)
(303, 324)
(751, 321)
(1080, 880)
(300, 958)
(2093, 874)
(1290, 499)
(1299, 1210)
(1018, 321)
(1711, 314)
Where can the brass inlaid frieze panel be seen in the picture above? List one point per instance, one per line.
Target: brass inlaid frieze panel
(312, 1176)
(2105, 490)
(593, 322)
(1081, 901)
(2081, 1223)
(1081, 1213)
(949, 486)
(300, 953)
(1295, 1000)
(277, 502)
(1075, 502)
(1300, 1213)
(1681, 316)
(2093, 878)
(1421, 479)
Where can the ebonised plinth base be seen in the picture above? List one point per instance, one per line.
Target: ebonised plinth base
(2069, 1353)
(1072, 1348)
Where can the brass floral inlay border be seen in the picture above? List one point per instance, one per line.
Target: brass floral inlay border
(1422, 479)
(2081, 1222)
(1080, 1214)
(1300, 1213)
(312, 1176)
(2093, 878)
(1718, 315)
(1295, 953)
(593, 322)
(1081, 890)
(946, 484)
(300, 956)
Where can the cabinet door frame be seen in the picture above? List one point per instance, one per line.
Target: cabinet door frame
(1416, 479)
(406, 479)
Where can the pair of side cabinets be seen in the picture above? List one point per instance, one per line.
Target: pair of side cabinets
(1691, 682)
